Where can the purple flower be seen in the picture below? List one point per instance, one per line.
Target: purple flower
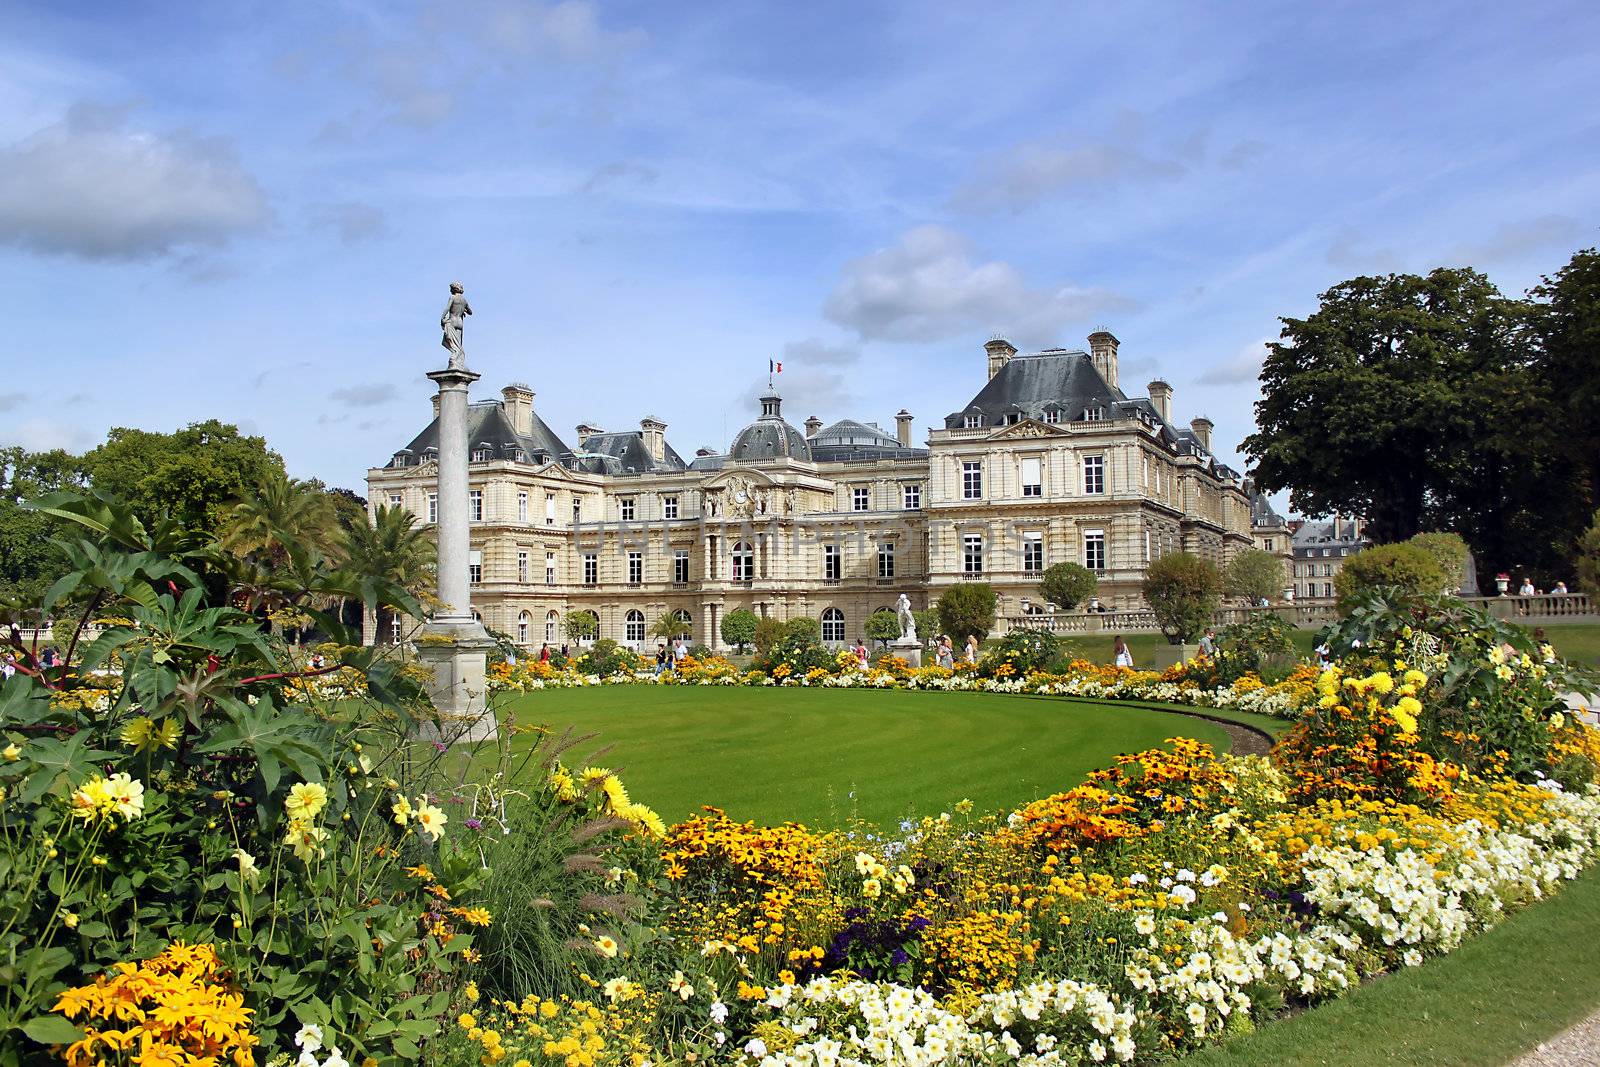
(441, 746)
(474, 824)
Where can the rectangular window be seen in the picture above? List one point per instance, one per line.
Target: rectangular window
(626, 504)
(1147, 546)
(475, 566)
(433, 507)
(635, 568)
(577, 510)
(1032, 476)
(476, 507)
(1094, 474)
(395, 500)
(549, 568)
(522, 566)
(860, 499)
(680, 566)
(591, 569)
(971, 422)
(480, 455)
(669, 507)
(1327, 588)
(1033, 552)
(1094, 549)
(911, 497)
(830, 563)
(522, 506)
(972, 481)
(886, 560)
(549, 509)
(972, 553)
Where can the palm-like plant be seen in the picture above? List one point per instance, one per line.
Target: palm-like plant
(283, 511)
(393, 549)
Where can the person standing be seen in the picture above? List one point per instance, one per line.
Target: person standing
(861, 653)
(680, 652)
(544, 654)
(1208, 643)
(1119, 648)
(947, 655)
(972, 648)
(661, 657)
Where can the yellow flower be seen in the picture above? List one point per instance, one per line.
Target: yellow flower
(306, 801)
(144, 734)
(306, 840)
(606, 946)
(12, 753)
(70, 919)
(401, 809)
(247, 865)
(871, 888)
(126, 796)
(431, 819)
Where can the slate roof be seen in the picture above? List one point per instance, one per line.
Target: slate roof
(488, 427)
(624, 452)
(1317, 535)
(1057, 379)
(849, 441)
(769, 437)
(1262, 513)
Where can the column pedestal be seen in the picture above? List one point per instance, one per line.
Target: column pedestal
(909, 650)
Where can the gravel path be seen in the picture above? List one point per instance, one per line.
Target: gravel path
(1576, 1047)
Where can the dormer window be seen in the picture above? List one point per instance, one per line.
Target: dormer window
(399, 461)
(480, 455)
(1094, 414)
(1052, 416)
(971, 422)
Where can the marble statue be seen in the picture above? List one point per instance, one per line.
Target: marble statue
(452, 322)
(908, 621)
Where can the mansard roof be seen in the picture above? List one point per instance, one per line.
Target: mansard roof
(488, 427)
(849, 441)
(624, 452)
(1056, 379)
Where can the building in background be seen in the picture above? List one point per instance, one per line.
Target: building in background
(1050, 461)
(1320, 549)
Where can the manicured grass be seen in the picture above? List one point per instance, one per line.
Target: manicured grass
(820, 756)
(1578, 642)
(1494, 998)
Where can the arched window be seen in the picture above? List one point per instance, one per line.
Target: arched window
(633, 626)
(684, 619)
(477, 617)
(744, 562)
(833, 625)
(552, 622)
(524, 628)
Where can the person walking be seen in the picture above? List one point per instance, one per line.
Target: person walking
(1208, 643)
(661, 657)
(680, 652)
(946, 655)
(1119, 648)
(972, 648)
(861, 653)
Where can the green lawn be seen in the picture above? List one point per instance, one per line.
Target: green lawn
(820, 756)
(1497, 996)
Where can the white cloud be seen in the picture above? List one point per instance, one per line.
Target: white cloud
(1031, 171)
(1516, 240)
(366, 395)
(88, 186)
(812, 352)
(926, 287)
(43, 434)
(1244, 367)
(806, 391)
(570, 30)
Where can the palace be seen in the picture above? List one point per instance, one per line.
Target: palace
(1050, 461)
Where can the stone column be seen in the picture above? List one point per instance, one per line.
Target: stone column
(453, 644)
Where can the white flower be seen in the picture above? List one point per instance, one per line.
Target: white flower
(756, 1047)
(719, 1012)
(335, 1058)
(309, 1037)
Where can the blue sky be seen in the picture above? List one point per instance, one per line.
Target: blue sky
(252, 211)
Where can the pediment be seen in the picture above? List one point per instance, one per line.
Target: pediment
(1026, 429)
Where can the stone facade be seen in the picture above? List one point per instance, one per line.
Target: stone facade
(1051, 461)
(1320, 551)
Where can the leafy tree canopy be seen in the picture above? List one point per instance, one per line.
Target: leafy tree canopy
(1066, 585)
(1406, 567)
(966, 609)
(883, 625)
(739, 627)
(1255, 575)
(1184, 591)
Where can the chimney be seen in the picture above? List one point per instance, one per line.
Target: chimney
(1103, 351)
(1161, 398)
(1202, 428)
(813, 424)
(1000, 352)
(517, 402)
(436, 405)
(902, 428)
(587, 430)
(654, 433)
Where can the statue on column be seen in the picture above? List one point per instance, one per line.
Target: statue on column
(908, 621)
(452, 322)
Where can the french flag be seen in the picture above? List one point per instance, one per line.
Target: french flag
(774, 367)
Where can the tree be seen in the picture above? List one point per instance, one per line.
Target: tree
(883, 626)
(1588, 559)
(966, 609)
(1066, 585)
(30, 561)
(279, 511)
(195, 474)
(1449, 551)
(392, 549)
(1413, 402)
(1184, 591)
(768, 633)
(1254, 575)
(1567, 325)
(739, 628)
(804, 629)
(581, 625)
(671, 625)
(1405, 566)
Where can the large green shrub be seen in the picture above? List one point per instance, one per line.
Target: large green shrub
(1450, 552)
(1588, 558)
(883, 626)
(739, 627)
(606, 659)
(1019, 652)
(768, 632)
(1405, 568)
(1066, 585)
(1184, 591)
(1262, 645)
(966, 609)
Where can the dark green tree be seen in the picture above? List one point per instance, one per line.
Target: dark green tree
(1254, 575)
(1415, 403)
(739, 627)
(1567, 323)
(1184, 591)
(966, 609)
(394, 550)
(1588, 559)
(196, 474)
(30, 560)
(883, 626)
(1066, 585)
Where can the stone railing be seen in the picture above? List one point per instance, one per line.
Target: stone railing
(1549, 608)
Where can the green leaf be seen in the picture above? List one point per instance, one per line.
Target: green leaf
(51, 1030)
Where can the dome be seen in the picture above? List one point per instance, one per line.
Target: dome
(769, 437)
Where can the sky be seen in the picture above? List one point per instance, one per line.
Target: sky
(253, 211)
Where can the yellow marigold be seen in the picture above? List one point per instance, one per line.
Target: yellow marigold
(305, 801)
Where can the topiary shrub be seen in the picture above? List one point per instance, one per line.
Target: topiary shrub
(1450, 552)
(883, 626)
(1066, 585)
(1184, 591)
(967, 610)
(739, 627)
(1407, 569)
